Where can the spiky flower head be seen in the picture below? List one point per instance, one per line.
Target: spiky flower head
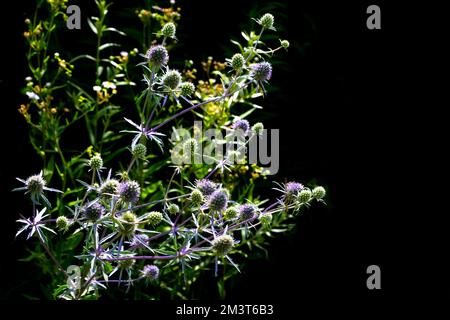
(262, 71)
(190, 149)
(237, 61)
(258, 128)
(128, 222)
(318, 193)
(154, 218)
(35, 185)
(266, 21)
(218, 200)
(96, 162)
(126, 264)
(304, 196)
(266, 219)
(93, 211)
(157, 56)
(171, 79)
(284, 43)
(139, 151)
(231, 213)
(221, 245)
(62, 223)
(109, 188)
(242, 125)
(247, 211)
(196, 197)
(187, 89)
(129, 191)
(150, 272)
(292, 189)
(139, 241)
(206, 186)
(169, 30)
(173, 208)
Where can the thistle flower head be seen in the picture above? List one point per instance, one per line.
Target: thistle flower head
(157, 56)
(218, 200)
(304, 196)
(62, 223)
(173, 208)
(109, 188)
(231, 213)
(196, 197)
(266, 21)
(169, 30)
(155, 218)
(35, 184)
(221, 245)
(171, 79)
(318, 193)
(242, 125)
(93, 211)
(139, 241)
(206, 186)
(247, 211)
(139, 151)
(187, 89)
(237, 61)
(96, 162)
(128, 222)
(150, 272)
(129, 191)
(258, 128)
(261, 71)
(292, 189)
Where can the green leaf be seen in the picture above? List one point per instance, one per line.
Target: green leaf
(92, 26)
(108, 45)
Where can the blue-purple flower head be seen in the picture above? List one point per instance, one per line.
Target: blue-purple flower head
(242, 125)
(247, 211)
(129, 191)
(93, 211)
(139, 241)
(206, 186)
(218, 200)
(261, 71)
(150, 272)
(157, 56)
(292, 189)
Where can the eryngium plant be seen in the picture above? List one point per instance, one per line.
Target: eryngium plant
(139, 230)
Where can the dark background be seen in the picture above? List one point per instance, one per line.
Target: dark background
(348, 102)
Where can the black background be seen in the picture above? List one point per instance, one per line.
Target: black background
(351, 115)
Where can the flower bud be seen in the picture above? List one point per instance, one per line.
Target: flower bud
(128, 223)
(154, 218)
(266, 219)
(173, 208)
(169, 30)
(318, 193)
(222, 244)
(231, 213)
(258, 128)
(96, 162)
(35, 184)
(139, 151)
(266, 21)
(62, 223)
(285, 44)
(172, 79)
(304, 196)
(109, 188)
(237, 61)
(196, 198)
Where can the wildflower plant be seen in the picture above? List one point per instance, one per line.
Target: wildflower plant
(124, 214)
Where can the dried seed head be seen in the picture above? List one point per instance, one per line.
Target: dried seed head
(222, 244)
(139, 151)
(187, 89)
(129, 191)
(151, 272)
(155, 218)
(218, 200)
(169, 30)
(172, 79)
(157, 56)
(262, 71)
(96, 162)
(237, 61)
(318, 193)
(266, 21)
(109, 187)
(206, 186)
(173, 208)
(196, 197)
(304, 196)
